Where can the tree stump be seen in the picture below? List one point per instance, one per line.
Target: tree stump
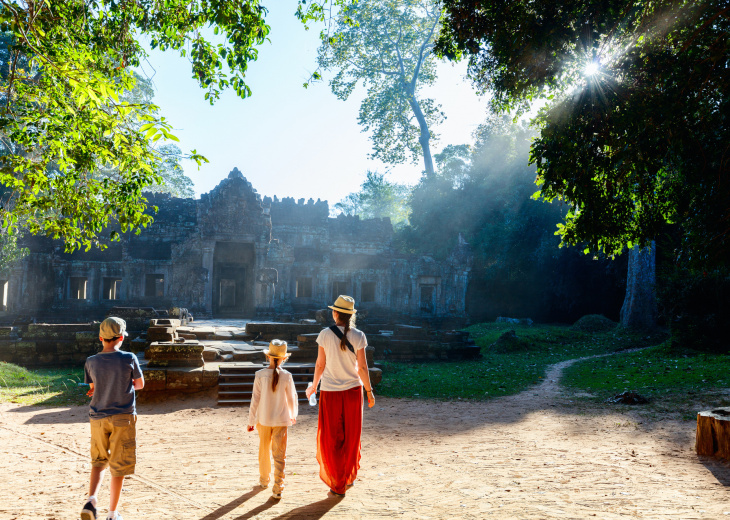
(713, 433)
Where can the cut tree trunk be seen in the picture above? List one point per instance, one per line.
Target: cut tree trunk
(639, 308)
(713, 433)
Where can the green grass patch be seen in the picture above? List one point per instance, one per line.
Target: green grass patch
(656, 372)
(44, 386)
(506, 369)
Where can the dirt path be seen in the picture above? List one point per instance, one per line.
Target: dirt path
(533, 455)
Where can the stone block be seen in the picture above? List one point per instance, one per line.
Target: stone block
(87, 336)
(155, 379)
(376, 376)
(181, 379)
(202, 332)
(138, 345)
(55, 331)
(175, 354)
(160, 336)
(210, 354)
(186, 335)
(227, 357)
(165, 322)
(210, 376)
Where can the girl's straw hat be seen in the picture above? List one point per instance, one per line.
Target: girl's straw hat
(277, 349)
(344, 304)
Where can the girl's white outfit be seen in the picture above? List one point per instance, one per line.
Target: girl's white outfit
(272, 412)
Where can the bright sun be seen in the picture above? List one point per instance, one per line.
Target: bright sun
(591, 69)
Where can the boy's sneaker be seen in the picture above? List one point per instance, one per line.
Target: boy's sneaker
(276, 496)
(118, 517)
(88, 512)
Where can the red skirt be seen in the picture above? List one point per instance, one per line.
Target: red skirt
(338, 437)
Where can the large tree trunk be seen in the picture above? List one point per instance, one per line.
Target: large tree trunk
(425, 136)
(639, 308)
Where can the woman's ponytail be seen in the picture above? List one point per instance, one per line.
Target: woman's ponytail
(275, 379)
(347, 320)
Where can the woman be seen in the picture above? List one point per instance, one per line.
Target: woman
(343, 370)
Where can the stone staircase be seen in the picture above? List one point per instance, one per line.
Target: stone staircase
(235, 382)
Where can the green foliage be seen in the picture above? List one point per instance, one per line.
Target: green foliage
(497, 374)
(655, 372)
(10, 252)
(697, 307)
(594, 323)
(44, 386)
(633, 146)
(378, 198)
(387, 46)
(63, 117)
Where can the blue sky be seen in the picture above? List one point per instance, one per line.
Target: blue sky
(290, 141)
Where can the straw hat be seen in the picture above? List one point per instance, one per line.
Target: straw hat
(344, 304)
(277, 349)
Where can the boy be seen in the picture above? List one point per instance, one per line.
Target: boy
(113, 376)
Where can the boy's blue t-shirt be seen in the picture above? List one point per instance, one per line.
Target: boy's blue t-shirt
(112, 374)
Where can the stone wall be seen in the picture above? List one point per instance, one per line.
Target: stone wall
(49, 344)
(232, 253)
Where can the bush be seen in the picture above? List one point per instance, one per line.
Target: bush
(594, 323)
(509, 342)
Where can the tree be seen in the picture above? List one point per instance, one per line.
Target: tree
(174, 180)
(387, 45)
(634, 133)
(62, 119)
(483, 193)
(171, 176)
(378, 198)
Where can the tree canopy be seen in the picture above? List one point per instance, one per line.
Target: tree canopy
(634, 132)
(65, 67)
(378, 198)
(388, 47)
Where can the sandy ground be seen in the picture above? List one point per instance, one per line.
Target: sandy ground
(534, 455)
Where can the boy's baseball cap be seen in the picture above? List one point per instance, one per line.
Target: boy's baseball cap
(112, 328)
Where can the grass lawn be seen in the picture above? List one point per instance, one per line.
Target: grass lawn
(508, 371)
(46, 386)
(657, 373)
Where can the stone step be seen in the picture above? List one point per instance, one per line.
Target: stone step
(243, 402)
(249, 384)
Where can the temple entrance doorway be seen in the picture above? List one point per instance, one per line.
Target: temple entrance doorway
(233, 267)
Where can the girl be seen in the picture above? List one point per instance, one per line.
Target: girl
(274, 406)
(343, 369)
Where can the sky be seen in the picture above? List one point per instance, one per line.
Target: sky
(290, 141)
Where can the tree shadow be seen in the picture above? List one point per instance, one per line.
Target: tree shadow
(233, 504)
(719, 468)
(59, 415)
(311, 511)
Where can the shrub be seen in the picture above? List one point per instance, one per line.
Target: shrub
(594, 323)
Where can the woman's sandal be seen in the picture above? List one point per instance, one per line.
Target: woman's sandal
(336, 494)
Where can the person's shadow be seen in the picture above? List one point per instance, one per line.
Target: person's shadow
(230, 506)
(309, 512)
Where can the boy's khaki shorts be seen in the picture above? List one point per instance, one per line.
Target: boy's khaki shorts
(114, 444)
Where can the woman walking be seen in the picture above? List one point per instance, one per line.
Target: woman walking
(343, 370)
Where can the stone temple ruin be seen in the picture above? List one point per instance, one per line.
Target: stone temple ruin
(212, 281)
(232, 253)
